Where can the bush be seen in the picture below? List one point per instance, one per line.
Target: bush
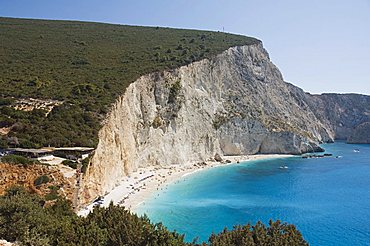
(23, 217)
(276, 233)
(6, 101)
(70, 163)
(53, 193)
(43, 179)
(174, 91)
(3, 143)
(157, 122)
(17, 159)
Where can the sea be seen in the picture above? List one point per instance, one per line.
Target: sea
(327, 199)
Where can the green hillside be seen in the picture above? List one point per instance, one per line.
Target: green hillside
(84, 67)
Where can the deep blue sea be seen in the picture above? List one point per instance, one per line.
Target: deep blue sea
(328, 199)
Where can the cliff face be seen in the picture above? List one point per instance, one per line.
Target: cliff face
(341, 114)
(237, 103)
(361, 134)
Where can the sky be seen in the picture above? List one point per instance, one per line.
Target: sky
(319, 45)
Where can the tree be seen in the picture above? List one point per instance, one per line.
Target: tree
(276, 233)
(25, 218)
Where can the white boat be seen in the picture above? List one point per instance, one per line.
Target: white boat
(283, 167)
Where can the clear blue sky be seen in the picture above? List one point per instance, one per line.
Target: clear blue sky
(319, 45)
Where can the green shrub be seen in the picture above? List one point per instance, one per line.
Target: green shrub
(276, 233)
(6, 101)
(70, 163)
(24, 218)
(157, 122)
(174, 91)
(18, 160)
(3, 143)
(43, 179)
(53, 193)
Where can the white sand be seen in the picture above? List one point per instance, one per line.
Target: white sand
(136, 188)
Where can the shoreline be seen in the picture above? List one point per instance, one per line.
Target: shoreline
(133, 190)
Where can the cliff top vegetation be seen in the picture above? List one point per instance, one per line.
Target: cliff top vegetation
(76, 70)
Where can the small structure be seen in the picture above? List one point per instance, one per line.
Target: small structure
(72, 153)
(30, 153)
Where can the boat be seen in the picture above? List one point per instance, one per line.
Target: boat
(356, 150)
(283, 167)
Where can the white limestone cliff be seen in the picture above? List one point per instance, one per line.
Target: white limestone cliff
(236, 103)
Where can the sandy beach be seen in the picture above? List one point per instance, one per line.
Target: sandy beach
(135, 189)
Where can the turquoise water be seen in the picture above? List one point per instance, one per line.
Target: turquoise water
(328, 199)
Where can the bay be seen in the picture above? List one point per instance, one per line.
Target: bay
(328, 199)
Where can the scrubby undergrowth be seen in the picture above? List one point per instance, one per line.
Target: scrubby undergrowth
(25, 218)
(83, 67)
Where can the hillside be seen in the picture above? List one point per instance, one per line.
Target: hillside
(46, 181)
(341, 114)
(146, 96)
(76, 70)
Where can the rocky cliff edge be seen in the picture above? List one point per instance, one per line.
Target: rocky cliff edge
(234, 104)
